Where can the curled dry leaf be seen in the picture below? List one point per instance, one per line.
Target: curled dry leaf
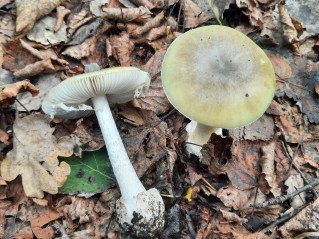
(140, 14)
(252, 10)
(61, 12)
(232, 217)
(152, 23)
(193, 15)
(267, 163)
(28, 12)
(8, 93)
(121, 47)
(34, 157)
(290, 32)
(79, 19)
(44, 66)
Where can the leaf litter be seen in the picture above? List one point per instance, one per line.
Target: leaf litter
(270, 158)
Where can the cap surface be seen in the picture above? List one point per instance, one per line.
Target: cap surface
(71, 98)
(218, 77)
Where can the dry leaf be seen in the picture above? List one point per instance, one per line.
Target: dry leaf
(154, 99)
(9, 92)
(85, 49)
(29, 11)
(232, 217)
(267, 163)
(140, 14)
(281, 66)
(61, 12)
(79, 19)
(35, 68)
(290, 32)
(293, 183)
(34, 157)
(132, 114)
(193, 15)
(121, 47)
(253, 11)
(243, 201)
(306, 220)
(4, 137)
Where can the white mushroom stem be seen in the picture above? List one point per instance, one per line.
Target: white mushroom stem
(198, 135)
(139, 211)
(126, 177)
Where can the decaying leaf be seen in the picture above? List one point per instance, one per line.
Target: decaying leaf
(35, 68)
(306, 220)
(281, 66)
(8, 93)
(121, 47)
(252, 10)
(43, 32)
(290, 32)
(243, 201)
(237, 159)
(267, 163)
(4, 137)
(140, 14)
(61, 12)
(85, 49)
(193, 15)
(34, 157)
(29, 11)
(154, 99)
(78, 19)
(293, 183)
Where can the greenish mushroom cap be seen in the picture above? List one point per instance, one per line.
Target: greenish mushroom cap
(218, 77)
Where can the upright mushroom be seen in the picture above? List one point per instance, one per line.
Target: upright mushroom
(219, 78)
(139, 211)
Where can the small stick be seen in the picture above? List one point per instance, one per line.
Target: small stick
(284, 218)
(282, 199)
(28, 112)
(291, 159)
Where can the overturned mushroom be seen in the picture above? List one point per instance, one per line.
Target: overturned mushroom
(219, 78)
(139, 211)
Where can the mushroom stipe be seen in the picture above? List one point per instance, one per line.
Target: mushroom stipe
(139, 211)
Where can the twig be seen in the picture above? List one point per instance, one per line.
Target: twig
(291, 159)
(284, 218)
(282, 199)
(28, 112)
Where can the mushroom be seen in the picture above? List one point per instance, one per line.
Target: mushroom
(139, 211)
(219, 78)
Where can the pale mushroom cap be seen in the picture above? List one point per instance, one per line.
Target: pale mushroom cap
(218, 77)
(71, 98)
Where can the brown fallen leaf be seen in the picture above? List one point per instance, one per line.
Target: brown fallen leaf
(292, 125)
(193, 15)
(140, 14)
(85, 49)
(78, 19)
(306, 220)
(289, 31)
(243, 201)
(154, 99)
(9, 92)
(29, 11)
(43, 66)
(147, 26)
(267, 163)
(232, 217)
(132, 114)
(61, 13)
(41, 216)
(122, 48)
(4, 137)
(281, 66)
(253, 11)
(34, 157)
